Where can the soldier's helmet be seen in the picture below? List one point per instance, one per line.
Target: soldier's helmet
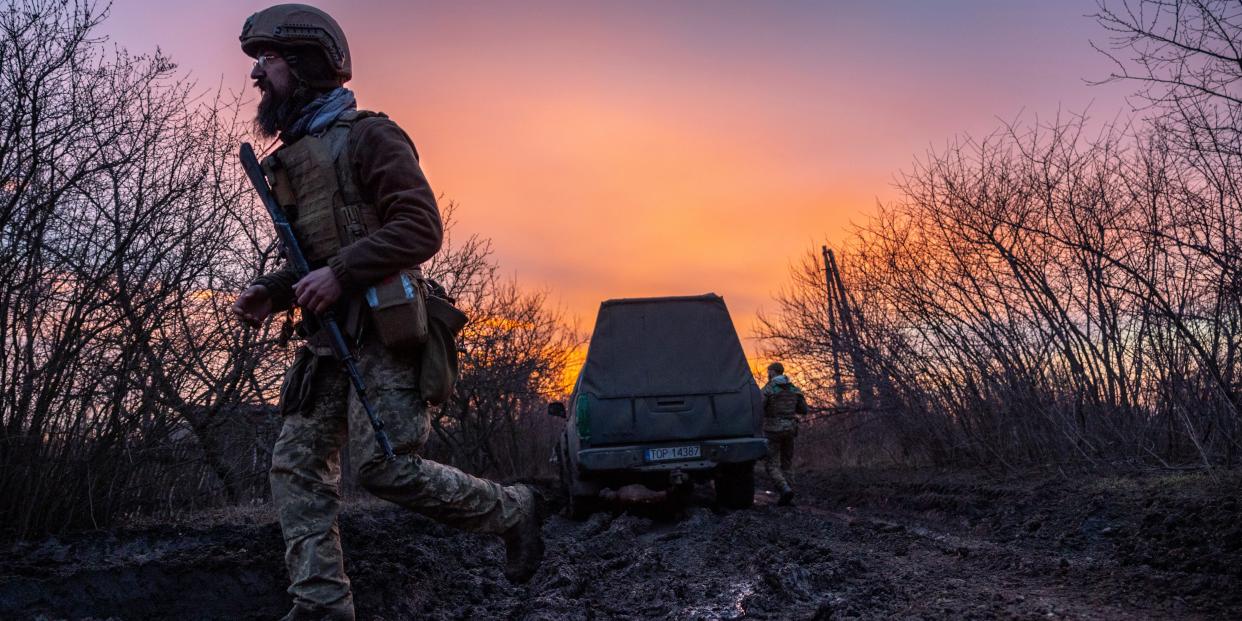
(291, 26)
(776, 368)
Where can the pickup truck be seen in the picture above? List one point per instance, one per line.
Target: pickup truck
(665, 398)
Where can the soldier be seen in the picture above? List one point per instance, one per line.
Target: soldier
(782, 403)
(362, 211)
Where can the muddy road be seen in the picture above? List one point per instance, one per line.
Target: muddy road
(859, 545)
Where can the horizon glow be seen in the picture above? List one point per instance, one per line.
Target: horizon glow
(646, 149)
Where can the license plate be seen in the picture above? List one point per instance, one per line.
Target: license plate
(673, 452)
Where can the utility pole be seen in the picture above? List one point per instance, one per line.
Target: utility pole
(838, 388)
(840, 305)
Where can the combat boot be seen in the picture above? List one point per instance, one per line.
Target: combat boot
(524, 541)
(338, 613)
(786, 499)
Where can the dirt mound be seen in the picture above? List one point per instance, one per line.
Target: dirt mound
(1199, 535)
(148, 573)
(860, 545)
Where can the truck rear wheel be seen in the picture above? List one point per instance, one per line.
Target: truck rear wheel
(735, 485)
(577, 507)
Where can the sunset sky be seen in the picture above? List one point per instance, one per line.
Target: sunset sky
(663, 148)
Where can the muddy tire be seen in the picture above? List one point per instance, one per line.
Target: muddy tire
(576, 507)
(735, 485)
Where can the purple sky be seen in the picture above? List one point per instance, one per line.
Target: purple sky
(655, 148)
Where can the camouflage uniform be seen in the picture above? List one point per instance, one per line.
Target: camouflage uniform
(782, 402)
(359, 205)
(306, 470)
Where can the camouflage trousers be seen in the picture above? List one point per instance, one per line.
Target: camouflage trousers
(779, 463)
(306, 471)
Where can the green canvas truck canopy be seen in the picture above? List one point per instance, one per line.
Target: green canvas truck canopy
(669, 346)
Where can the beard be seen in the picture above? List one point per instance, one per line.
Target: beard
(278, 109)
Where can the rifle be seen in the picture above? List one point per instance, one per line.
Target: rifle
(326, 320)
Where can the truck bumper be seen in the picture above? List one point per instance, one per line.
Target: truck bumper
(714, 452)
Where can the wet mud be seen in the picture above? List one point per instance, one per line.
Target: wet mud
(859, 545)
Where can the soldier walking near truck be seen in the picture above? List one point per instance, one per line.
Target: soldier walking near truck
(782, 403)
(363, 218)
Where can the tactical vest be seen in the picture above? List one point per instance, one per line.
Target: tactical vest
(781, 403)
(313, 181)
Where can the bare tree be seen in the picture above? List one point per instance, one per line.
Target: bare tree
(126, 229)
(1043, 294)
(119, 223)
(1186, 58)
(1040, 295)
(513, 357)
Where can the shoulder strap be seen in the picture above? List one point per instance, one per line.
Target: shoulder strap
(338, 139)
(357, 218)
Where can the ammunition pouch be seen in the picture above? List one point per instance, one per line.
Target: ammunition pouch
(438, 371)
(296, 388)
(399, 310)
(410, 313)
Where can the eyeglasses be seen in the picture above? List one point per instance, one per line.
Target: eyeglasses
(263, 59)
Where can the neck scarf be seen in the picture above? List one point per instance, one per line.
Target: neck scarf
(319, 114)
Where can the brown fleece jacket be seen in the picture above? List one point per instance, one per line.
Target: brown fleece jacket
(387, 173)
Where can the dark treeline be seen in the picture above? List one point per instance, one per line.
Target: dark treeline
(1055, 292)
(126, 228)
